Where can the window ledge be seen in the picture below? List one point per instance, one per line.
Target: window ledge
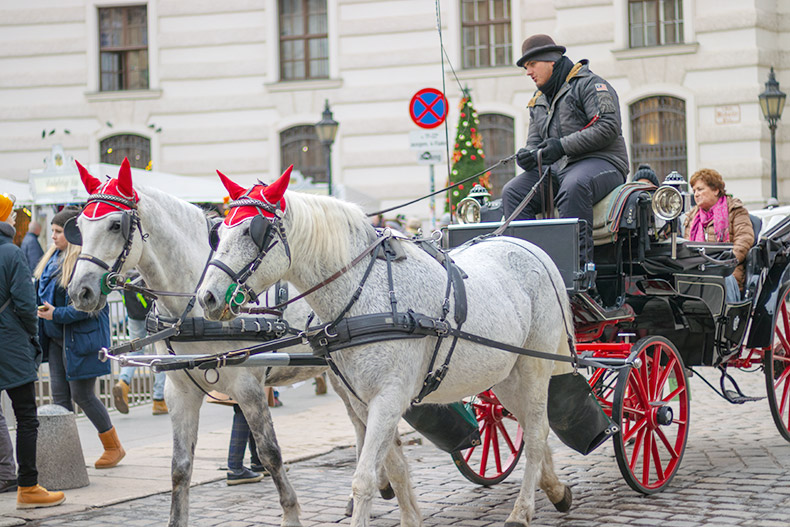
(490, 72)
(311, 84)
(122, 95)
(655, 51)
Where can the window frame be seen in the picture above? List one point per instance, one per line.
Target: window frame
(506, 171)
(123, 51)
(130, 138)
(660, 22)
(492, 47)
(664, 161)
(307, 136)
(305, 38)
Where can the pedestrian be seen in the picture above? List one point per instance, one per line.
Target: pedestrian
(575, 122)
(30, 246)
(19, 360)
(137, 308)
(73, 339)
(240, 438)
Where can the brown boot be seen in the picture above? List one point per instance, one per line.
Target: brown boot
(37, 496)
(113, 451)
(320, 385)
(160, 408)
(120, 396)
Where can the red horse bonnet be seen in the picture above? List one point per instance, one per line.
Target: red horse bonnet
(120, 187)
(271, 194)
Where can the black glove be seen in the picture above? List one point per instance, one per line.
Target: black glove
(526, 159)
(552, 150)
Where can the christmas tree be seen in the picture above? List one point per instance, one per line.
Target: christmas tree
(468, 157)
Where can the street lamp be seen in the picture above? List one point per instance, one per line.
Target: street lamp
(326, 129)
(772, 102)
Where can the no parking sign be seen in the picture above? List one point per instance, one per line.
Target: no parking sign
(428, 108)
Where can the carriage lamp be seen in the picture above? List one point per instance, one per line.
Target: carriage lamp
(326, 130)
(668, 205)
(772, 102)
(469, 207)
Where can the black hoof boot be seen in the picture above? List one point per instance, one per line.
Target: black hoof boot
(349, 507)
(564, 505)
(387, 493)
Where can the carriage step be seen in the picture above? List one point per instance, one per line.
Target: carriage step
(739, 398)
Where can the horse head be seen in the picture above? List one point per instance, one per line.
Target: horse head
(251, 248)
(106, 230)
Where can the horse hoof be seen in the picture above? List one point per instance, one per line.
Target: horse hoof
(564, 505)
(387, 493)
(349, 508)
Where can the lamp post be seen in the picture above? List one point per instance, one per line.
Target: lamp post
(772, 102)
(326, 129)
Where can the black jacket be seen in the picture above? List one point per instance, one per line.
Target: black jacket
(18, 321)
(585, 115)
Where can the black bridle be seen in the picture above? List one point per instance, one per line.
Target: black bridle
(262, 231)
(130, 220)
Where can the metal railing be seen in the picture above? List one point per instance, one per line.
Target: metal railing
(140, 388)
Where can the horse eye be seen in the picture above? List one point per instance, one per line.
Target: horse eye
(115, 226)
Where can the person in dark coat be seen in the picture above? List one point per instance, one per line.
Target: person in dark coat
(30, 246)
(73, 339)
(19, 360)
(575, 122)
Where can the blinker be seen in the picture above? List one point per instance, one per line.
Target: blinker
(260, 231)
(72, 231)
(126, 224)
(213, 236)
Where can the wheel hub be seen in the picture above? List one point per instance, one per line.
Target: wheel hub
(664, 415)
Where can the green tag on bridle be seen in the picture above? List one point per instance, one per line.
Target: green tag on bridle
(235, 296)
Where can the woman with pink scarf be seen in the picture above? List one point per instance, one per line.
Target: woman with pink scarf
(720, 218)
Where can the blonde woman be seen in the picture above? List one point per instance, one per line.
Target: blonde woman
(72, 339)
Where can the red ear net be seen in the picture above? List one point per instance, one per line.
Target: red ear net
(125, 179)
(274, 192)
(234, 189)
(90, 183)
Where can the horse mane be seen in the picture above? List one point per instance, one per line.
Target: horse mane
(172, 206)
(323, 228)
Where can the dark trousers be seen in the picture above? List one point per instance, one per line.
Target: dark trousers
(83, 391)
(240, 436)
(577, 187)
(23, 401)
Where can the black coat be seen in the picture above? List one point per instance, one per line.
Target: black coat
(18, 321)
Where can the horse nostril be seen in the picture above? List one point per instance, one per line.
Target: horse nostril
(208, 301)
(85, 294)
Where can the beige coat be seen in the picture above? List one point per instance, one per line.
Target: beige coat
(741, 233)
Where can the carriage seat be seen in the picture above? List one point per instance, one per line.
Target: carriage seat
(612, 211)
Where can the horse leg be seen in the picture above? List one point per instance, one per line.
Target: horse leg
(385, 489)
(398, 473)
(559, 494)
(250, 398)
(183, 401)
(525, 394)
(383, 413)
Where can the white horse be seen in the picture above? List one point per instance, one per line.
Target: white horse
(172, 258)
(515, 295)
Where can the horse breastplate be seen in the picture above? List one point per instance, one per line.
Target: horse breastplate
(198, 329)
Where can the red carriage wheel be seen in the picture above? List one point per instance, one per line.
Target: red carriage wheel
(776, 362)
(502, 443)
(651, 406)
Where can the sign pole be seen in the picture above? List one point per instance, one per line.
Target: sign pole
(433, 200)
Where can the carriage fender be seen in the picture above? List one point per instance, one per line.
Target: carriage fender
(764, 318)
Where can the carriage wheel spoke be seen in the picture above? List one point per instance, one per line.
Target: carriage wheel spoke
(665, 373)
(647, 449)
(655, 372)
(638, 427)
(670, 448)
(677, 391)
(783, 379)
(486, 449)
(506, 436)
(657, 462)
(640, 436)
(468, 454)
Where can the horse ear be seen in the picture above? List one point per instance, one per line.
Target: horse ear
(275, 191)
(234, 189)
(125, 179)
(90, 183)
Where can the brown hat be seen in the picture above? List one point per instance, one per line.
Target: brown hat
(540, 47)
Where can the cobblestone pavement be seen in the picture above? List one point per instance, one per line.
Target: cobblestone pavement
(736, 472)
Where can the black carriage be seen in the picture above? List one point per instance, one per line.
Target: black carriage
(655, 296)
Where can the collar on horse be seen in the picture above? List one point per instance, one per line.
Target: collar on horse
(262, 231)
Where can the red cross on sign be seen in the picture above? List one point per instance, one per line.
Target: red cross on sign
(428, 108)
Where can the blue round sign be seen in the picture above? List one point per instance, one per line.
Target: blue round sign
(428, 108)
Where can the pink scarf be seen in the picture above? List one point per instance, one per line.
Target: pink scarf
(719, 213)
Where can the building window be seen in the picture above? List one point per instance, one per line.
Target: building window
(655, 22)
(304, 43)
(135, 147)
(300, 147)
(485, 29)
(123, 48)
(658, 134)
(498, 142)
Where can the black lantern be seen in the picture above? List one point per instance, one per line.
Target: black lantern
(772, 102)
(326, 130)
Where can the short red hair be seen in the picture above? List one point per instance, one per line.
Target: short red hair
(710, 177)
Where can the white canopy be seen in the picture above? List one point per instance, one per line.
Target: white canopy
(20, 190)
